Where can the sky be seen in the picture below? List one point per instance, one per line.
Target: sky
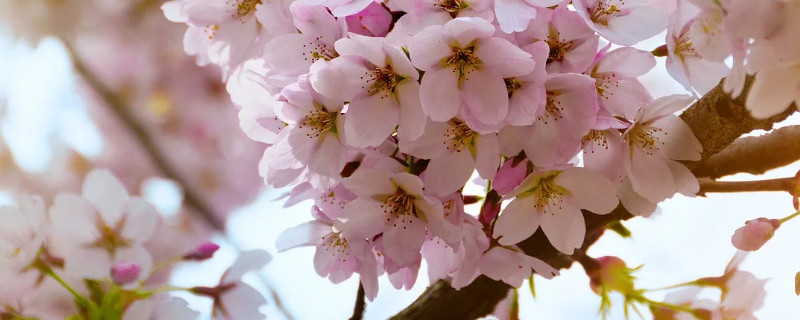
(689, 237)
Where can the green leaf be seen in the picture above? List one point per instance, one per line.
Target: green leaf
(620, 229)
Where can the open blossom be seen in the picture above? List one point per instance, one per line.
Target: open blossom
(102, 227)
(512, 266)
(395, 205)
(653, 142)
(623, 22)
(424, 13)
(292, 54)
(572, 43)
(22, 234)
(234, 299)
(615, 73)
(465, 65)
(754, 234)
(336, 257)
(312, 138)
(382, 89)
(553, 200)
(227, 32)
(684, 63)
(455, 151)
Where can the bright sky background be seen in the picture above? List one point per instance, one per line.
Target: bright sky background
(689, 239)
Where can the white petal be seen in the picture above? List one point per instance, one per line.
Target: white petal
(518, 221)
(564, 227)
(588, 190)
(106, 193)
(306, 234)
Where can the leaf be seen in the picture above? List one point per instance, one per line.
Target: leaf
(797, 284)
(620, 229)
(532, 286)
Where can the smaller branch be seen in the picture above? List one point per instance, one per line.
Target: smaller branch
(358, 310)
(783, 184)
(754, 155)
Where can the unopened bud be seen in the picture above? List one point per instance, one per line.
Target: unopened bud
(611, 274)
(204, 251)
(125, 272)
(754, 234)
(374, 21)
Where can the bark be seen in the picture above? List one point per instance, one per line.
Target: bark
(754, 155)
(716, 119)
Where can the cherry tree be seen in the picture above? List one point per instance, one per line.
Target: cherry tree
(491, 140)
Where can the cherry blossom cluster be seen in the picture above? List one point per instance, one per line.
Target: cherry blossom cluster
(85, 257)
(382, 112)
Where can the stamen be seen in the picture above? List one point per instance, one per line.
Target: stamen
(606, 10)
(317, 49)
(459, 137)
(381, 81)
(319, 122)
(463, 61)
(594, 139)
(553, 110)
(453, 7)
(647, 138)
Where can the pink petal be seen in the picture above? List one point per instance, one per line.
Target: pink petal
(460, 32)
(588, 190)
(626, 62)
(427, 48)
(518, 221)
(440, 96)
(485, 94)
(564, 227)
(513, 15)
(341, 78)
(366, 183)
(412, 117)
(649, 176)
(504, 57)
(449, 173)
(140, 220)
(487, 158)
(369, 48)
(773, 91)
(106, 193)
(679, 140)
(685, 181)
(305, 234)
(403, 238)
(370, 120)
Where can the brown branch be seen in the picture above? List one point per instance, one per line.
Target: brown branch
(754, 155)
(782, 184)
(716, 119)
(122, 111)
(358, 309)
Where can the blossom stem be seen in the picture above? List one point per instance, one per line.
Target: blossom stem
(158, 267)
(79, 299)
(790, 217)
(358, 309)
(684, 284)
(782, 184)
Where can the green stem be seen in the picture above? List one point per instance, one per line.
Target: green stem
(684, 284)
(667, 305)
(165, 264)
(81, 300)
(790, 217)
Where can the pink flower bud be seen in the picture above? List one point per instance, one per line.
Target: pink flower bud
(125, 272)
(510, 174)
(754, 234)
(373, 21)
(204, 251)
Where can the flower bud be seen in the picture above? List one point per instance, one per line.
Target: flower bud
(510, 174)
(125, 273)
(611, 274)
(204, 251)
(754, 234)
(373, 21)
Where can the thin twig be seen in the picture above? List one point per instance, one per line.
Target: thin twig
(123, 112)
(358, 309)
(782, 184)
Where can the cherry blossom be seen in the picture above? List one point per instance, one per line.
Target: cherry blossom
(514, 15)
(553, 200)
(465, 64)
(101, 227)
(384, 91)
(374, 21)
(424, 13)
(22, 234)
(615, 73)
(395, 205)
(754, 234)
(655, 139)
(622, 22)
(234, 299)
(510, 265)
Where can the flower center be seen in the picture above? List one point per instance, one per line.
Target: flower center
(594, 139)
(337, 246)
(646, 138)
(683, 45)
(553, 111)
(453, 7)
(459, 136)
(242, 8)
(381, 81)
(512, 84)
(605, 10)
(317, 49)
(463, 61)
(319, 122)
(558, 48)
(603, 82)
(547, 194)
(111, 238)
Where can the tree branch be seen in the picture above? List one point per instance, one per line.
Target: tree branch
(120, 109)
(716, 119)
(783, 184)
(358, 309)
(754, 155)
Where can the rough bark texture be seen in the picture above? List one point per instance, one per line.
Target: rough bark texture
(754, 155)
(716, 119)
